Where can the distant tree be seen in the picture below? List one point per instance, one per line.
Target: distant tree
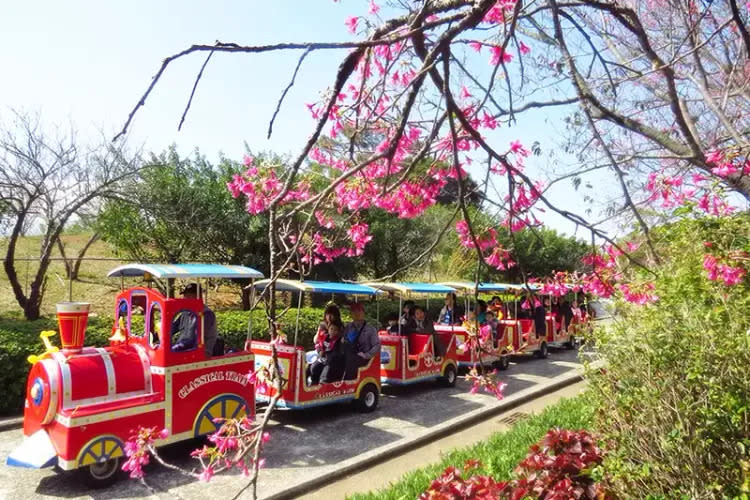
(179, 210)
(73, 262)
(44, 181)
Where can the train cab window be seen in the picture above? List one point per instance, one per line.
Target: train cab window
(154, 326)
(123, 311)
(184, 331)
(138, 314)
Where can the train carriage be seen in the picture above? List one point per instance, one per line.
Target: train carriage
(412, 358)
(491, 352)
(296, 393)
(83, 403)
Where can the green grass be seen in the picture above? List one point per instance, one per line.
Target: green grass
(499, 454)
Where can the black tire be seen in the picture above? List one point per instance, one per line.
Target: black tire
(102, 475)
(449, 376)
(543, 352)
(368, 398)
(503, 363)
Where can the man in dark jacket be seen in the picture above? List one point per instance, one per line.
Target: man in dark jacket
(540, 318)
(363, 339)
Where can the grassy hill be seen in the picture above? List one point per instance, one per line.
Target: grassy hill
(93, 285)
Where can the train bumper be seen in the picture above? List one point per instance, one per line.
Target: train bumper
(36, 452)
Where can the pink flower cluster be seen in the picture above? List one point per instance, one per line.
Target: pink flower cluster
(489, 382)
(138, 449)
(721, 272)
(493, 252)
(639, 295)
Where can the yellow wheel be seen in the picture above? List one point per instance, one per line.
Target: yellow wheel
(220, 407)
(100, 461)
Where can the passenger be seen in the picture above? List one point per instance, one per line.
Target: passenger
(422, 324)
(188, 328)
(331, 362)
(567, 314)
(363, 340)
(407, 318)
(540, 318)
(332, 314)
(492, 323)
(497, 307)
(391, 323)
(481, 311)
(449, 314)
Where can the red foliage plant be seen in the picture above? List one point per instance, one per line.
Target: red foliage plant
(556, 468)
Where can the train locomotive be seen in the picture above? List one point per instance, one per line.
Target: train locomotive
(83, 403)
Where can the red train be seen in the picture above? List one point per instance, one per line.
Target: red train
(83, 403)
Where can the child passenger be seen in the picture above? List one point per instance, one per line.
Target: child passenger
(331, 362)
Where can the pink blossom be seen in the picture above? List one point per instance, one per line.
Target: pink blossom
(517, 147)
(351, 24)
(497, 54)
(374, 8)
(465, 92)
(248, 160)
(476, 46)
(523, 48)
(207, 474)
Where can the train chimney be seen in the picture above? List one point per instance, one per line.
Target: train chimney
(72, 318)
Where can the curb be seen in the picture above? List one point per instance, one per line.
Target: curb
(7, 424)
(372, 457)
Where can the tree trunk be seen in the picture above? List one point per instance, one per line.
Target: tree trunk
(61, 249)
(79, 258)
(245, 293)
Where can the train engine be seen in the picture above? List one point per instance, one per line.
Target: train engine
(83, 403)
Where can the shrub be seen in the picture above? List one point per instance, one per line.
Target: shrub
(558, 467)
(497, 456)
(673, 401)
(18, 339)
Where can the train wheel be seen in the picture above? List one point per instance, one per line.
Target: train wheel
(368, 398)
(224, 406)
(504, 362)
(100, 462)
(449, 376)
(569, 344)
(542, 352)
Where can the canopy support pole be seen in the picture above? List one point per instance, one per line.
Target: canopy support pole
(249, 337)
(296, 323)
(401, 311)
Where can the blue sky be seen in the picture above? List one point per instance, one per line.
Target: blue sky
(88, 62)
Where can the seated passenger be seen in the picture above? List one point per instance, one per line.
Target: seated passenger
(492, 323)
(331, 362)
(540, 319)
(184, 331)
(481, 311)
(423, 324)
(407, 318)
(497, 307)
(330, 315)
(391, 323)
(449, 313)
(209, 321)
(363, 341)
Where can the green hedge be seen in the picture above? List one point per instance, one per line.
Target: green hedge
(19, 338)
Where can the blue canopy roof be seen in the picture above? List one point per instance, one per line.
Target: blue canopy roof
(185, 271)
(504, 287)
(318, 287)
(407, 288)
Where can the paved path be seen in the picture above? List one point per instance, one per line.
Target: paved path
(304, 445)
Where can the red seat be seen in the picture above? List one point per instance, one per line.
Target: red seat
(418, 344)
